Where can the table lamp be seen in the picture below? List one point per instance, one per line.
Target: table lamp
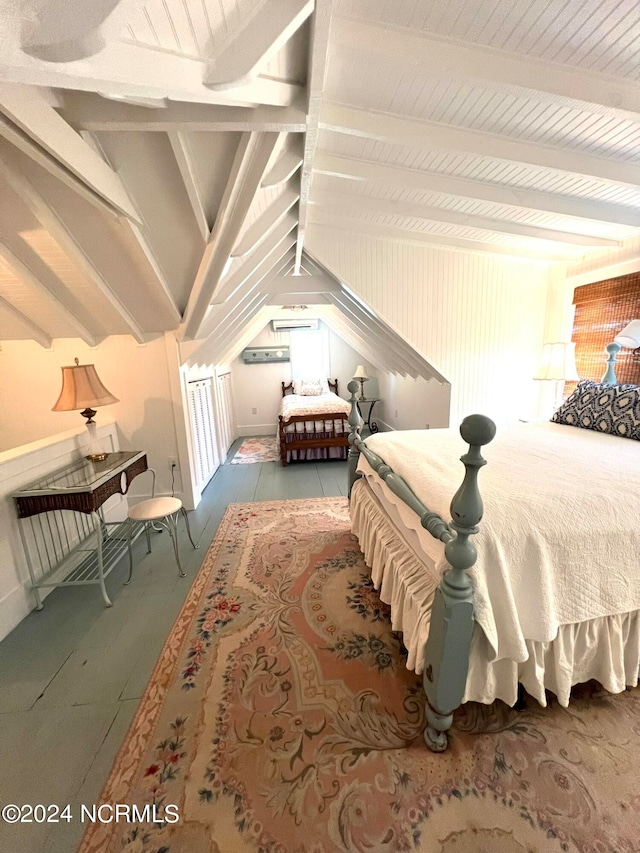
(361, 376)
(629, 338)
(82, 389)
(558, 365)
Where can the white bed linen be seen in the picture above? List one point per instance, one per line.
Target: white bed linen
(560, 539)
(607, 648)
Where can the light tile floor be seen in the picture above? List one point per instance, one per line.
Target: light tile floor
(71, 676)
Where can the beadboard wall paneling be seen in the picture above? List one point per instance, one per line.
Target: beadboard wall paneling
(479, 320)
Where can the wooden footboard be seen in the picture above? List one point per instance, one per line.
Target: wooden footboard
(334, 433)
(447, 652)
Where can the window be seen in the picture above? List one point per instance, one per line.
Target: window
(602, 310)
(309, 352)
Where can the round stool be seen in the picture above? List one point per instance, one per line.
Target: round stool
(161, 511)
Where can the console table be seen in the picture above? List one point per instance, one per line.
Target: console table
(66, 540)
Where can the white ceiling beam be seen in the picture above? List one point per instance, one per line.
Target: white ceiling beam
(220, 315)
(264, 35)
(241, 317)
(89, 112)
(313, 284)
(458, 60)
(252, 158)
(29, 111)
(353, 204)
(37, 333)
(285, 167)
(285, 300)
(427, 135)
(334, 318)
(51, 295)
(50, 220)
(251, 329)
(180, 146)
(58, 33)
(361, 226)
(448, 185)
(131, 70)
(279, 240)
(266, 222)
(318, 60)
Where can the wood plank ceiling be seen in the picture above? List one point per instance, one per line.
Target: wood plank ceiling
(163, 161)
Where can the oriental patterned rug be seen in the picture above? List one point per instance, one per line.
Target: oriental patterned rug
(280, 718)
(256, 450)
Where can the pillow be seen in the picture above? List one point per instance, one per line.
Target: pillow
(310, 387)
(614, 409)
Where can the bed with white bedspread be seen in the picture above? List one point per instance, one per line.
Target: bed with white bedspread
(312, 425)
(556, 584)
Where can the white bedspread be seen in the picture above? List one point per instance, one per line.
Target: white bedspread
(324, 404)
(560, 539)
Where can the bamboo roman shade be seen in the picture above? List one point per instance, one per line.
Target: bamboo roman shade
(602, 310)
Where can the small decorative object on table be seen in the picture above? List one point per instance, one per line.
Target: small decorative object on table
(629, 338)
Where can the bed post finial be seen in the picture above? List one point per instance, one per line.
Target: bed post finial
(354, 433)
(449, 642)
(609, 377)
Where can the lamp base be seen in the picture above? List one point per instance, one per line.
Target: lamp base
(96, 457)
(362, 397)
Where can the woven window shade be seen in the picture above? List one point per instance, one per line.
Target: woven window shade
(602, 310)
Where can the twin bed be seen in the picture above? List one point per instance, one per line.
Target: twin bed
(544, 591)
(313, 421)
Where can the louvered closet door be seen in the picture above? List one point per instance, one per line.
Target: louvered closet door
(203, 431)
(225, 412)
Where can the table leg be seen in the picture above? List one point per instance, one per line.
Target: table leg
(98, 531)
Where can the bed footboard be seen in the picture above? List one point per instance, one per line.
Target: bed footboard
(333, 433)
(447, 652)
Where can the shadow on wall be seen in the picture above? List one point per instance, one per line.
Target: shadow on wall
(156, 435)
(407, 403)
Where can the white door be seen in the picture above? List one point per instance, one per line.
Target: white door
(203, 430)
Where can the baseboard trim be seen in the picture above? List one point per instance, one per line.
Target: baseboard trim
(257, 429)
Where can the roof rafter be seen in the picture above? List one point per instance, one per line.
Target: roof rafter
(453, 59)
(252, 158)
(50, 220)
(362, 226)
(286, 166)
(180, 147)
(30, 111)
(38, 334)
(413, 133)
(577, 208)
(266, 222)
(87, 111)
(20, 268)
(361, 204)
(320, 28)
(262, 37)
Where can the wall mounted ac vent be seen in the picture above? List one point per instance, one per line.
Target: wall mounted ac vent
(265, 355)
(288, 325)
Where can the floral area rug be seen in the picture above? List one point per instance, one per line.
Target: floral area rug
(256, 450)
(280, 718)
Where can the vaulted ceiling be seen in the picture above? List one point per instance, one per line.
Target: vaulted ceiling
(163, 163)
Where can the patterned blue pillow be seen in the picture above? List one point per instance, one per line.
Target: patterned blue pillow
(614, 409)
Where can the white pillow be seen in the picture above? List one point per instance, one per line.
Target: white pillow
(310, 387)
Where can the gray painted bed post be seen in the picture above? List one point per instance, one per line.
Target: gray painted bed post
(354, 432)
(446, 660)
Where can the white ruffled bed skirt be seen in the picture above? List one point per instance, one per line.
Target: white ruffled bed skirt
(606, 649)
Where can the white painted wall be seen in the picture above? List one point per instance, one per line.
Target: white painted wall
(30, 381)
(408, 403)
(479, 319)
(258, 386)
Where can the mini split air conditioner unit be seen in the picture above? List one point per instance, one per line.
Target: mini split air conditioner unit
(288, 325)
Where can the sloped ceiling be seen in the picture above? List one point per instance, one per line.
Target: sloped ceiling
(162, 162)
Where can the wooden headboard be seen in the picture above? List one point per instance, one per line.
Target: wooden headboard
(288, 389)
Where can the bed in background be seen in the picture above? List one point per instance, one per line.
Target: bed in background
(551, 598)
(312, 423)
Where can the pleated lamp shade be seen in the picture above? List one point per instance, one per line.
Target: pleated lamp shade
(630, 336)
(82, 389)
(558, 362)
